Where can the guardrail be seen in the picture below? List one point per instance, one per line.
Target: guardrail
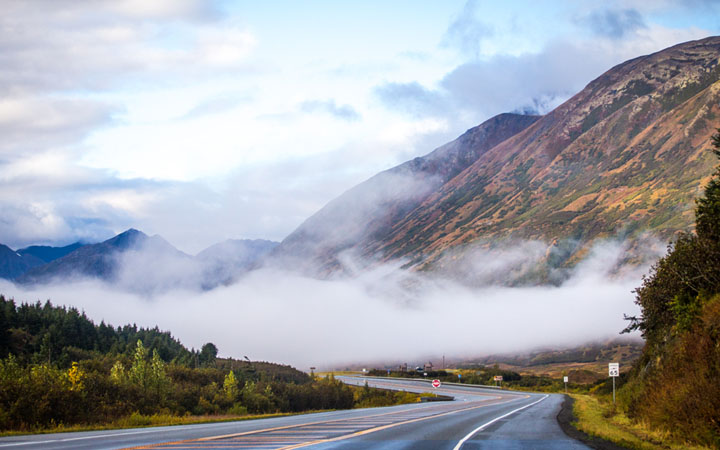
(484, 386)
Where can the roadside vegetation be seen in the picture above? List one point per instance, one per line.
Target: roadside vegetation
(597, 416)
(60, 371)
(671, 396)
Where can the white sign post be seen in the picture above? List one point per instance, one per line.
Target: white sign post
(614, 372)
(565, 380)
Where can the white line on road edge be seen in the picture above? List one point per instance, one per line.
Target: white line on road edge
(126, 432)
(462, 441)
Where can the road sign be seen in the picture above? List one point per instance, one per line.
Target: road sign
(614, 369)
(436, 383)
(614, 372)
(459, 376)
(565, 379)
(498, 378)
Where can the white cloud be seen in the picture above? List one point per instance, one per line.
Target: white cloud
(532, 82)
(30, 124)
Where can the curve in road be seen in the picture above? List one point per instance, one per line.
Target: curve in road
(478, 418)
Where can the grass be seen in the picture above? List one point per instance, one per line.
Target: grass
(137, 420)
(600, 418)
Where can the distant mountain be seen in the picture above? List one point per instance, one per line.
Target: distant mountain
(224, 262)
(140, 263)
(14, 264)
(626, 155)
(102, 260)
(46, 253)
(369, 211)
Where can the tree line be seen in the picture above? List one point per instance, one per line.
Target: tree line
(59, 368)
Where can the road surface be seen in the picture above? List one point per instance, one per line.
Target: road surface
(476, 419)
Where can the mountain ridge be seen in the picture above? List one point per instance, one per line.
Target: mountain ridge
(379, 202)
(624, 156)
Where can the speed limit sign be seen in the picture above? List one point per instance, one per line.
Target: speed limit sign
(614, 369)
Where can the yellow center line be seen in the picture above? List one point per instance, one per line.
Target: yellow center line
(384, 427)
(266, 430)
(189, 442)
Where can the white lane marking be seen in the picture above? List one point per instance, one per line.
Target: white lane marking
(75, 439)
(185, 427)
(127, 433)
(462, 441)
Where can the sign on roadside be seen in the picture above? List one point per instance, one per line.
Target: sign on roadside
(498, 378)
(565, 379)
(614, 372)
(436, 383)
(614, 369)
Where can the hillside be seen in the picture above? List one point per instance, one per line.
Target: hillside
(586, 363)
(625, 155)
(47, 253)
(13, 264)
(369, 211)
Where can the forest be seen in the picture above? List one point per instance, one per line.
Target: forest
(59, 369)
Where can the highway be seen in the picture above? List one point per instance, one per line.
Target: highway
(477, 419)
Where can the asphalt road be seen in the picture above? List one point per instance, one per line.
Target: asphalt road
(478, 418)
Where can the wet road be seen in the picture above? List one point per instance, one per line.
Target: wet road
(477, 418)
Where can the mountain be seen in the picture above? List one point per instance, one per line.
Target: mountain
(105, 259)
(224, 262)
(367, 212)
(140, 263)
(625, 156)
(14, 264)
(46, 253)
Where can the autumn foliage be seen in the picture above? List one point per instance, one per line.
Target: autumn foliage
(675, 385)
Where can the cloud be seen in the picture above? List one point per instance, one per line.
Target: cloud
(30, 124)
(614, 24)
(384, 314)
(66, 45)
(529, 82)
(93, 206)
(534, 83)
(466, 32)
(217, 105)
(412, 98)
(344, 112)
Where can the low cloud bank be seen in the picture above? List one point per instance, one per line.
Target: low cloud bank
(384, 314)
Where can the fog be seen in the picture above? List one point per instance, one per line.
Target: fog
(381, 315)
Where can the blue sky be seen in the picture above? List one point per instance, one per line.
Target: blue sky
(203, 121)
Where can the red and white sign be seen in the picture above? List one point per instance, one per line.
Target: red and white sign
(436, 383)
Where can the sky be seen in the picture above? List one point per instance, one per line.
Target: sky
(210, 120)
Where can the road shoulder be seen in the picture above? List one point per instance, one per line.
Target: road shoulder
(565, 419)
